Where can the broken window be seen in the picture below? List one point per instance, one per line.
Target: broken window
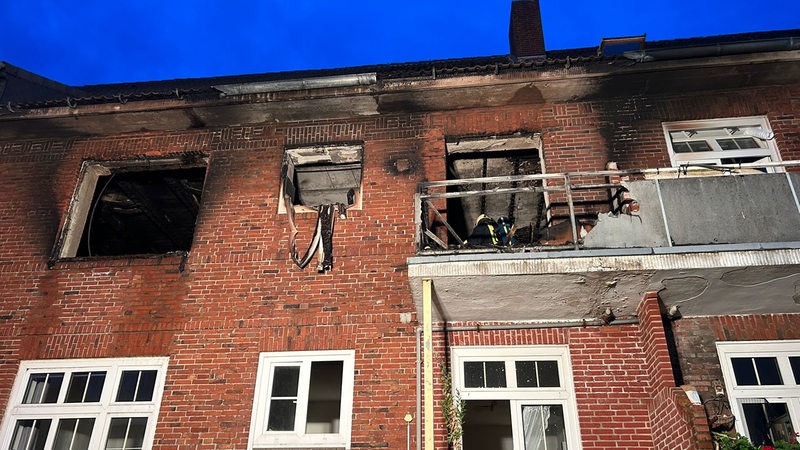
(322, 179)
(129, 208)
(496, 156)
(303, 399)
(721, 141)
(322, 175)
(80, 404)
(516, 397)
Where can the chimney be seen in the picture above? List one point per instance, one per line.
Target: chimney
(525, 33)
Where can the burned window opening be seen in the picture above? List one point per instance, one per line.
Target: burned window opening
(325, 180)
(323, 175)
(133, 209)
(521, 210)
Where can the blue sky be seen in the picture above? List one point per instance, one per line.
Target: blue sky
(81, 42)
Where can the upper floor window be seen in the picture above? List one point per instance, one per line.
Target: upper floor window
(469, 158)
(519, 398)
(322, 175)
(109, 404)
(763, 384)
(721, 141)
(134, 207)
(303, 399)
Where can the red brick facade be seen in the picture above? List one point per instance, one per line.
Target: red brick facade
(237, 292)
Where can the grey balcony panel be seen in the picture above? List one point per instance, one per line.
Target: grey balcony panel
(730, 209)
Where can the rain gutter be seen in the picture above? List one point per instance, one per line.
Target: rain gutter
(261, 87)
(735, 48)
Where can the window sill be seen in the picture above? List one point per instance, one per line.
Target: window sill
(164, 259)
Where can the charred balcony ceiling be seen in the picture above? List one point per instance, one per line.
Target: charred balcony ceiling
(584, 80)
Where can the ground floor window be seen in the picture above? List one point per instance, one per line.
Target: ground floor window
(763, 384)
(303, 399)
(516, 398)
(85, 404)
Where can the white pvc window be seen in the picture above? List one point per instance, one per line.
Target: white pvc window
(721, 141)
(762, 380)
(86, 404)
(303, 399)
(517, 398)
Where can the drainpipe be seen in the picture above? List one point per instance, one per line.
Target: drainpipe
(418, 388)
(427, 345)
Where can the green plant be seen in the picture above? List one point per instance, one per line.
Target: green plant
(739, 442)
(452, 409)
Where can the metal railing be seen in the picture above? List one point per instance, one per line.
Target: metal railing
(567, 196)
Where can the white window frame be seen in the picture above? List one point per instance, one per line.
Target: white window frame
(103, 411)
(518, 397)
(788, 393)
(261, 438)
(738, 126)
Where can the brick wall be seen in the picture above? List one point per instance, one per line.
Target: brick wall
(677, 423)
(625, 391)
(696, 338)
(237, 293)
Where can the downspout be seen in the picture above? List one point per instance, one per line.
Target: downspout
(427, 346)
(417, 334)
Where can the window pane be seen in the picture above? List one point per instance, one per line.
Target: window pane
(30, 434)
(324, 397)
(526, 374)
(767, 422)
(681, 147)
(699, 146)
(747, 143)
(795, 362)
(473, 375)
(543, 427)
(126, 433)
(768, 372)
(147, 384)
(284, 381)
(85, 387)
(548, 374)
(73, 434)
(43, 388)
(495, 374)
(281, 415)
(744, 371)
(487, 425)
(136, 385)
(127, 386)
(727, 144)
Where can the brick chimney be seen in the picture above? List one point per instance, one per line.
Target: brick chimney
(525, 33)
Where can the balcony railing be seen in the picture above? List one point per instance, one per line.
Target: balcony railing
(612, 209)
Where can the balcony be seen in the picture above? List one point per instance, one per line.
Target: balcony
(710, 240)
